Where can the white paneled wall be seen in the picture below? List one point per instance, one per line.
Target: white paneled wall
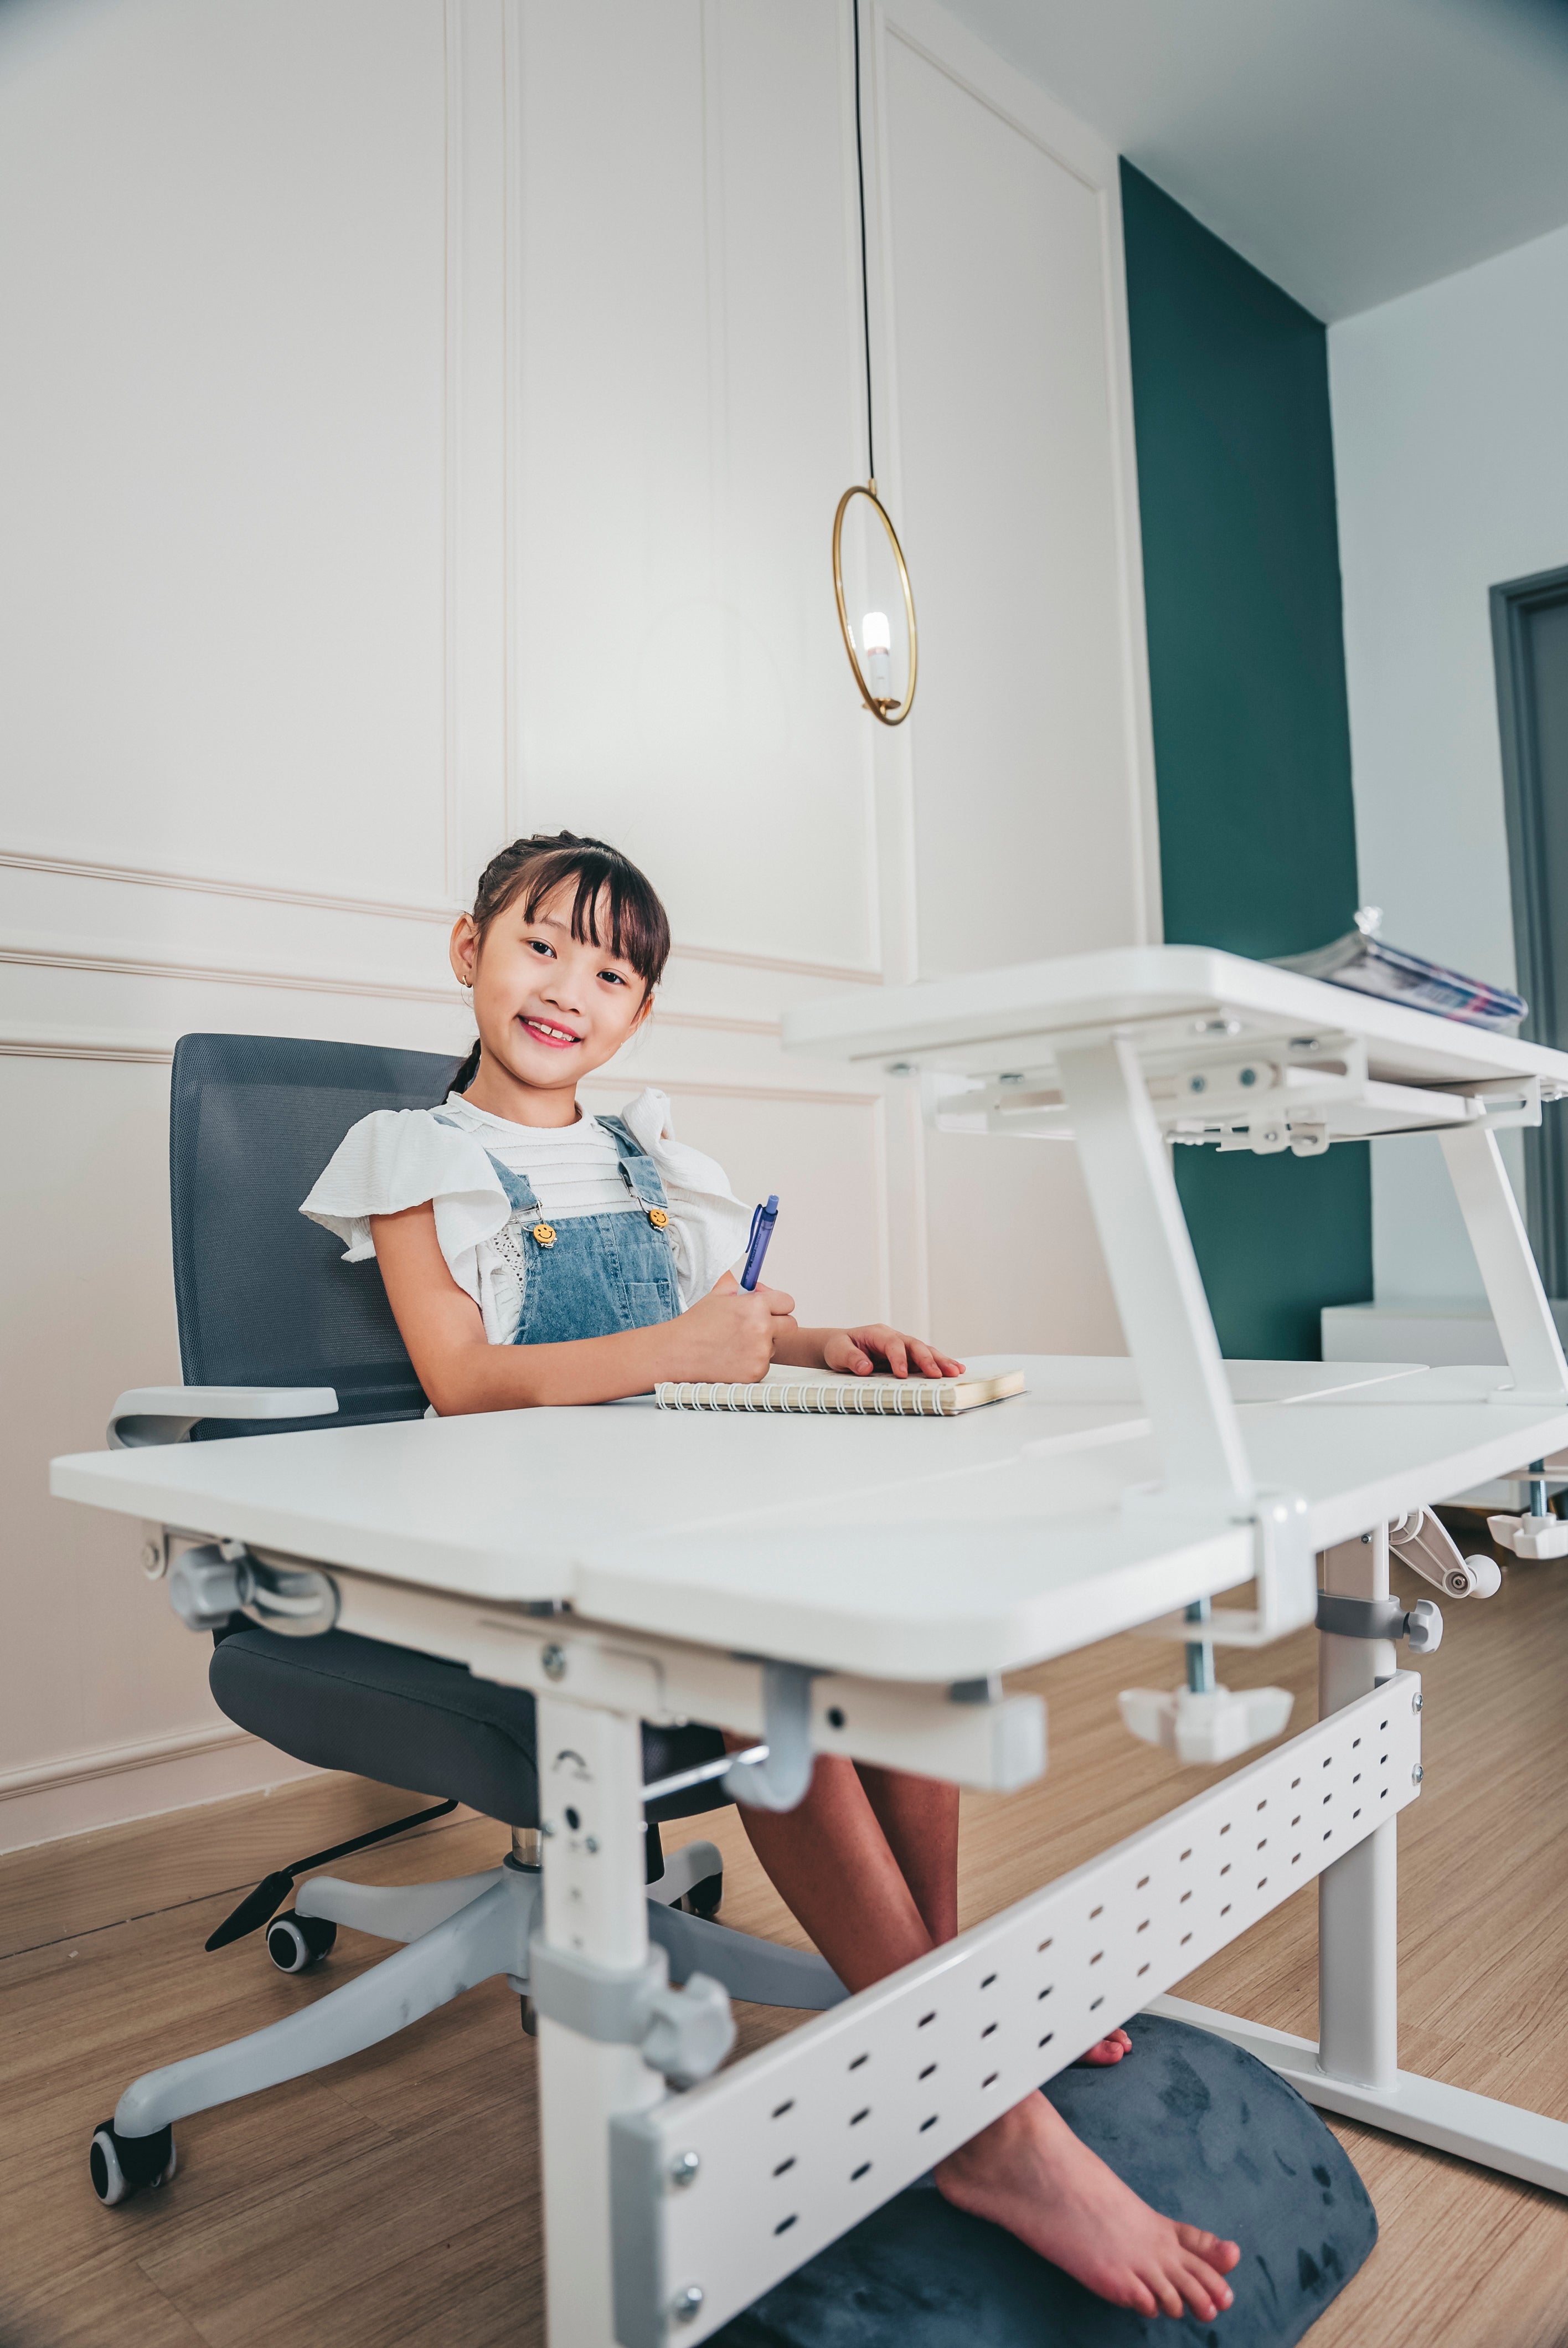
(423, 423)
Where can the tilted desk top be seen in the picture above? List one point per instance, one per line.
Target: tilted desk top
(928, 1550)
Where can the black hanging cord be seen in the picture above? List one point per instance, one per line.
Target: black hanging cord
(260, 1905)
(865, 275)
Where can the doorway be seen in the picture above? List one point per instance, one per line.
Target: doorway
(1529, 636)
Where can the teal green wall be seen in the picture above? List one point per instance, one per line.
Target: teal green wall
(1252, 744)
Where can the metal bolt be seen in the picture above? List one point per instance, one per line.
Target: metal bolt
(152, 1560)
(1249, 1075)
(1417, 1701)
(1010, 1076)
(590, 1842)
(684, 2166)
(1365, 1538)
(1197, 1084)
(895, 1068)
(687, 2305)
(554, 1663)
(1417, 1773)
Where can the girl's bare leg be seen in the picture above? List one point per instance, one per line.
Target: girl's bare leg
(920, 1819)
(919, 1816)
(835, 1861)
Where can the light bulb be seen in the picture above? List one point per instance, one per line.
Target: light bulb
(877, 638)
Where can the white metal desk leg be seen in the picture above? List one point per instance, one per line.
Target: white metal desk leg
(1354, 2069)
(590, 1807)
(1358, 1897)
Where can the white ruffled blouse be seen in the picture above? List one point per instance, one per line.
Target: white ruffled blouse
(395, 1158)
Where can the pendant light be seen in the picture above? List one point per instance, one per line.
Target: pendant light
(874, 676)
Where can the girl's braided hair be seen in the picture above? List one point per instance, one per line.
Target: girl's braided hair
(608, 887)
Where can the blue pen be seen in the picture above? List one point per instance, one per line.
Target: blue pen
(763, 1222)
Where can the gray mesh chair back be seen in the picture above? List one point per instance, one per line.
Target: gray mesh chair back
(263, 1297)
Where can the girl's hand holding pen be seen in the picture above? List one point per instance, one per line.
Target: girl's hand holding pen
(730, 1334)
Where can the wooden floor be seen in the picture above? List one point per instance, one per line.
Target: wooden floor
(393, 2199)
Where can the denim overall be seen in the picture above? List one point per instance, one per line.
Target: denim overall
(593, 1274)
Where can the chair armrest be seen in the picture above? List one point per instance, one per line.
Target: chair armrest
(148, 1414)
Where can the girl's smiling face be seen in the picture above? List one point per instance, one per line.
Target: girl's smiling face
(549, 1007)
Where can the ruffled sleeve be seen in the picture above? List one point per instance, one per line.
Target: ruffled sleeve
(710, 1224)
(395, 1158)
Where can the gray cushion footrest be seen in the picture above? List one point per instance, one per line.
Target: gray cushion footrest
(1200, 2128)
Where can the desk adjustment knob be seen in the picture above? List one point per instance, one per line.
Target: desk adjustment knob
(1420, 1626)
(209, 1584)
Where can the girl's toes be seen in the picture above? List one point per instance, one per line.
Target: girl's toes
(1214, 2252)
(1169, 2297)
(1205, 2291)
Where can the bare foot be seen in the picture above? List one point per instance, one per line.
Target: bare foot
(1109, 2050)
(1030, 2173)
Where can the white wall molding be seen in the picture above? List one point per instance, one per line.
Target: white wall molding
(843, 973)
(222, 884)
(18, 1043)
(108, 1760)
(477, 399)
(129, 961)
(138, 962)
(85, 1792)
(43, 1043)
(67, 866)
(723, 1089)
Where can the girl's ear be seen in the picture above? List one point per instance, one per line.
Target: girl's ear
(646, 1013)
(463, 948)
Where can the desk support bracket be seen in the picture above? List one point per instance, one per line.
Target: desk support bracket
(1508, 1269)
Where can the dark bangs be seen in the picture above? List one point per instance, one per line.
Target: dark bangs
(613, 906)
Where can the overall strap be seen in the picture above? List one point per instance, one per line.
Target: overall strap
(515, 1186)
(640, 1174)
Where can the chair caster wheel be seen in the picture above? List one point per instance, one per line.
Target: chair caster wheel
(123, 2165)
(295, 1943)
(531, 2017)
(703, 1898)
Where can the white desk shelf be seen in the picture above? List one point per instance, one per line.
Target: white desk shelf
(1182, 1009)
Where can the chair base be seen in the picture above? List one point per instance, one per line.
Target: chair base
(456, 1933)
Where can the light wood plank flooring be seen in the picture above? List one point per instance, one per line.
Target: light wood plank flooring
(393, 2199)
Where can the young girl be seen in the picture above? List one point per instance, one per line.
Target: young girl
(534, 1254)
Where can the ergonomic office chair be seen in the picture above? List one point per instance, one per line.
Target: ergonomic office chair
(273, 1322)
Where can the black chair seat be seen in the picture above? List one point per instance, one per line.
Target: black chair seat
(341, 1702)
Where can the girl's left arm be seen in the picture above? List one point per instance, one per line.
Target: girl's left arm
(861, 1350)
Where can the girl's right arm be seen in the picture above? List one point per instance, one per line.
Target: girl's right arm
(728, 1334)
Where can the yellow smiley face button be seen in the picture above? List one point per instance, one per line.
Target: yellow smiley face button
(545, 1234)
(657, 1217)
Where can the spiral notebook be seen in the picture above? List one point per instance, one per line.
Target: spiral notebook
(816, 1392)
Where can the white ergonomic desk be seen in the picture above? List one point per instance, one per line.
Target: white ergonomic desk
(861, 1585)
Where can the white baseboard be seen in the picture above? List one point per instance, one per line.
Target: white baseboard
(119, 1783)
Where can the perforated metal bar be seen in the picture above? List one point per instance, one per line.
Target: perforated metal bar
(720, 2193)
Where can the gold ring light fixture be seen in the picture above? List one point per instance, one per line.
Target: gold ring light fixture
(871, 659)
